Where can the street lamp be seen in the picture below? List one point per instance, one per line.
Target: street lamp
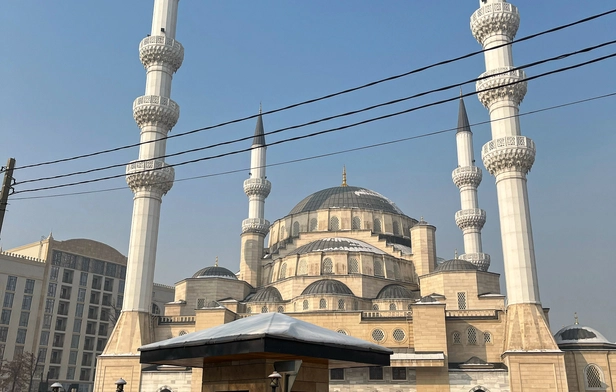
(120, 385)
(275, 377)
(56, 386)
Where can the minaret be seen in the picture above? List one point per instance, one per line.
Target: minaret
(528, 342)
(254, 229)
(467, 177)
(149, 178)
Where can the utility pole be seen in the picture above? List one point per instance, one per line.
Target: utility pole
(7, 187)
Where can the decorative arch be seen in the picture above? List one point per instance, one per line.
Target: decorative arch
(283, 271)
(334, 223)
(377, 225)
(164, 388)
(322, 303)
(479, 388)
(353, 267)
(356, 223)
(471, 336)
(396, 227)
(295, 230)
(313, 224)
(328, 266)
(593, 377)
(302, 269)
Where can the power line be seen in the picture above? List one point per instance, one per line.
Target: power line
(331, 129)
(337, 152)
(327, 96)
(313, 122)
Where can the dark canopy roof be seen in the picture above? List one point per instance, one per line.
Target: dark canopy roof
(214, 271)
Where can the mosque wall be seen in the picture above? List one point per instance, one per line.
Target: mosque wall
(172, 380)
(486, 380)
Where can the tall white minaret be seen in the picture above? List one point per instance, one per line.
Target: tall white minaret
(255, 228)
(467, 177)
(509, 156)
(149, 177)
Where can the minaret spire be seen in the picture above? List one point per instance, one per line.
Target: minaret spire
(467, 177)
(344, 183)
(255, 228)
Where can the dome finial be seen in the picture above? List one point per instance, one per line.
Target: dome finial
(216, 264)
(344, 183)
(575, 316)
(455, 253)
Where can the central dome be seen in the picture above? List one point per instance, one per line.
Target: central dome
(346, 197)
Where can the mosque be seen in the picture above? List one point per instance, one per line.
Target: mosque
(348, 259)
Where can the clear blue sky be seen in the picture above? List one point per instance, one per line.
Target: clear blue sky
(71, 72)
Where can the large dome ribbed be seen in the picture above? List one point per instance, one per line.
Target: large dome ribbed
(346, 197)
(579, 334)
(327, 286)
(455, 265)
(214, 271)
(395, 291)
(268, 294)
(337, 244)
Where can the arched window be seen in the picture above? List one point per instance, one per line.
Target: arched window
(281, 309)
(396, 270)
(487, 338)
(356, 223)
(327, 267)
(392, 306)
(313, 224)
(295, 229)
(340, 304)
(264, 309)
(375, 306)
(377, 225)
(456, 337)
(593, 376)
(283, 271)
(249, 310)
(396, 228)
(334, 224)
(305, 304)
(302, 269)
(283, 232)
(353, 266)
(322, 304)
(471, 334)
(155, 309)
(378, 268)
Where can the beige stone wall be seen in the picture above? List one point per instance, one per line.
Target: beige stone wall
(173, 380)
(423, 243)
(529, 372)
(111, 368)
(472, 283)
(576, 363)
(488, 351)
(208, 289)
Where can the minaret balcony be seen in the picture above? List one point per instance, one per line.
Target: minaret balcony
(467, 176)
(496, 18)
(150, 175)
(471, 218)
(510, 153)
(255, 225)
(505, 84)
(257, 187)
(161, 50)
(481, 260)
(154, 110)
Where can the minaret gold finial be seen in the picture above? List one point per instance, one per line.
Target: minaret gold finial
(216, 264)
(344, 176)
(576, 318)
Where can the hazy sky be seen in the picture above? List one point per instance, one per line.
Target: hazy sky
(71, 72)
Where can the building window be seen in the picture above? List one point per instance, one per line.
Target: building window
(375, 373)
(100, 344)
(356, 223)
(61, 323)
(283, 271)
(42, 355)
(91, 328)
(44, 338)
(302, 269)
(456, 337)
(322, 303)
(98, 267)
(378, 335)
(378, 268)
(84, 375)
(103, 329)
(120, 301)
(75, 341)
(5, 318)
(83, 279)
(487, 337)
(462, 301)
(471, 334)
(65, 292)
(108, 286)
(305, 304)
(97, 281)
(11, 283)
(47, 321)
(29, 289)
(58, 340)
(23, 319)
(353, 266)
(93, 312)
(51, 289)
(8, 300)
(56, 356)
(399, 335)
(375, 306)
(26, 303)
(95, 297)
(107, 301)
(70, 373)
(79, 310)
(72, 358)
(334, 224)
(283, 232)
(249, 310)
(398, 373)
(67, 276)
(328, 266)
(21, 336)
(396, 270)
(281, 309)
(336, 374)
(396, 227)
(342, 332)
(264, 309)
(105, 313)
(49, 305)
(340, 304)
(63, 308)
(53, 275)
(377, 225)
(81, 295)
(54, 372)
(594, 377)
(155, 309)
(392, 306)
(313, 224)
(77, 326)
(295, 229)
(88, 343)
(4, 332)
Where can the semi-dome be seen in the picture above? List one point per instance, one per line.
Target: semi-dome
(336, 244)
(346, 197)
(455, 265)
(579, 335)
(327, 286)
(267, 294)
(395, 291)
(215, 272)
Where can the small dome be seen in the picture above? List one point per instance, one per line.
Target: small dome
(214, 271)
(346, 197)
(579, 334)
(455, 265)
(268, 294)
(327, 286)
(338, 244)
(395, 291)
